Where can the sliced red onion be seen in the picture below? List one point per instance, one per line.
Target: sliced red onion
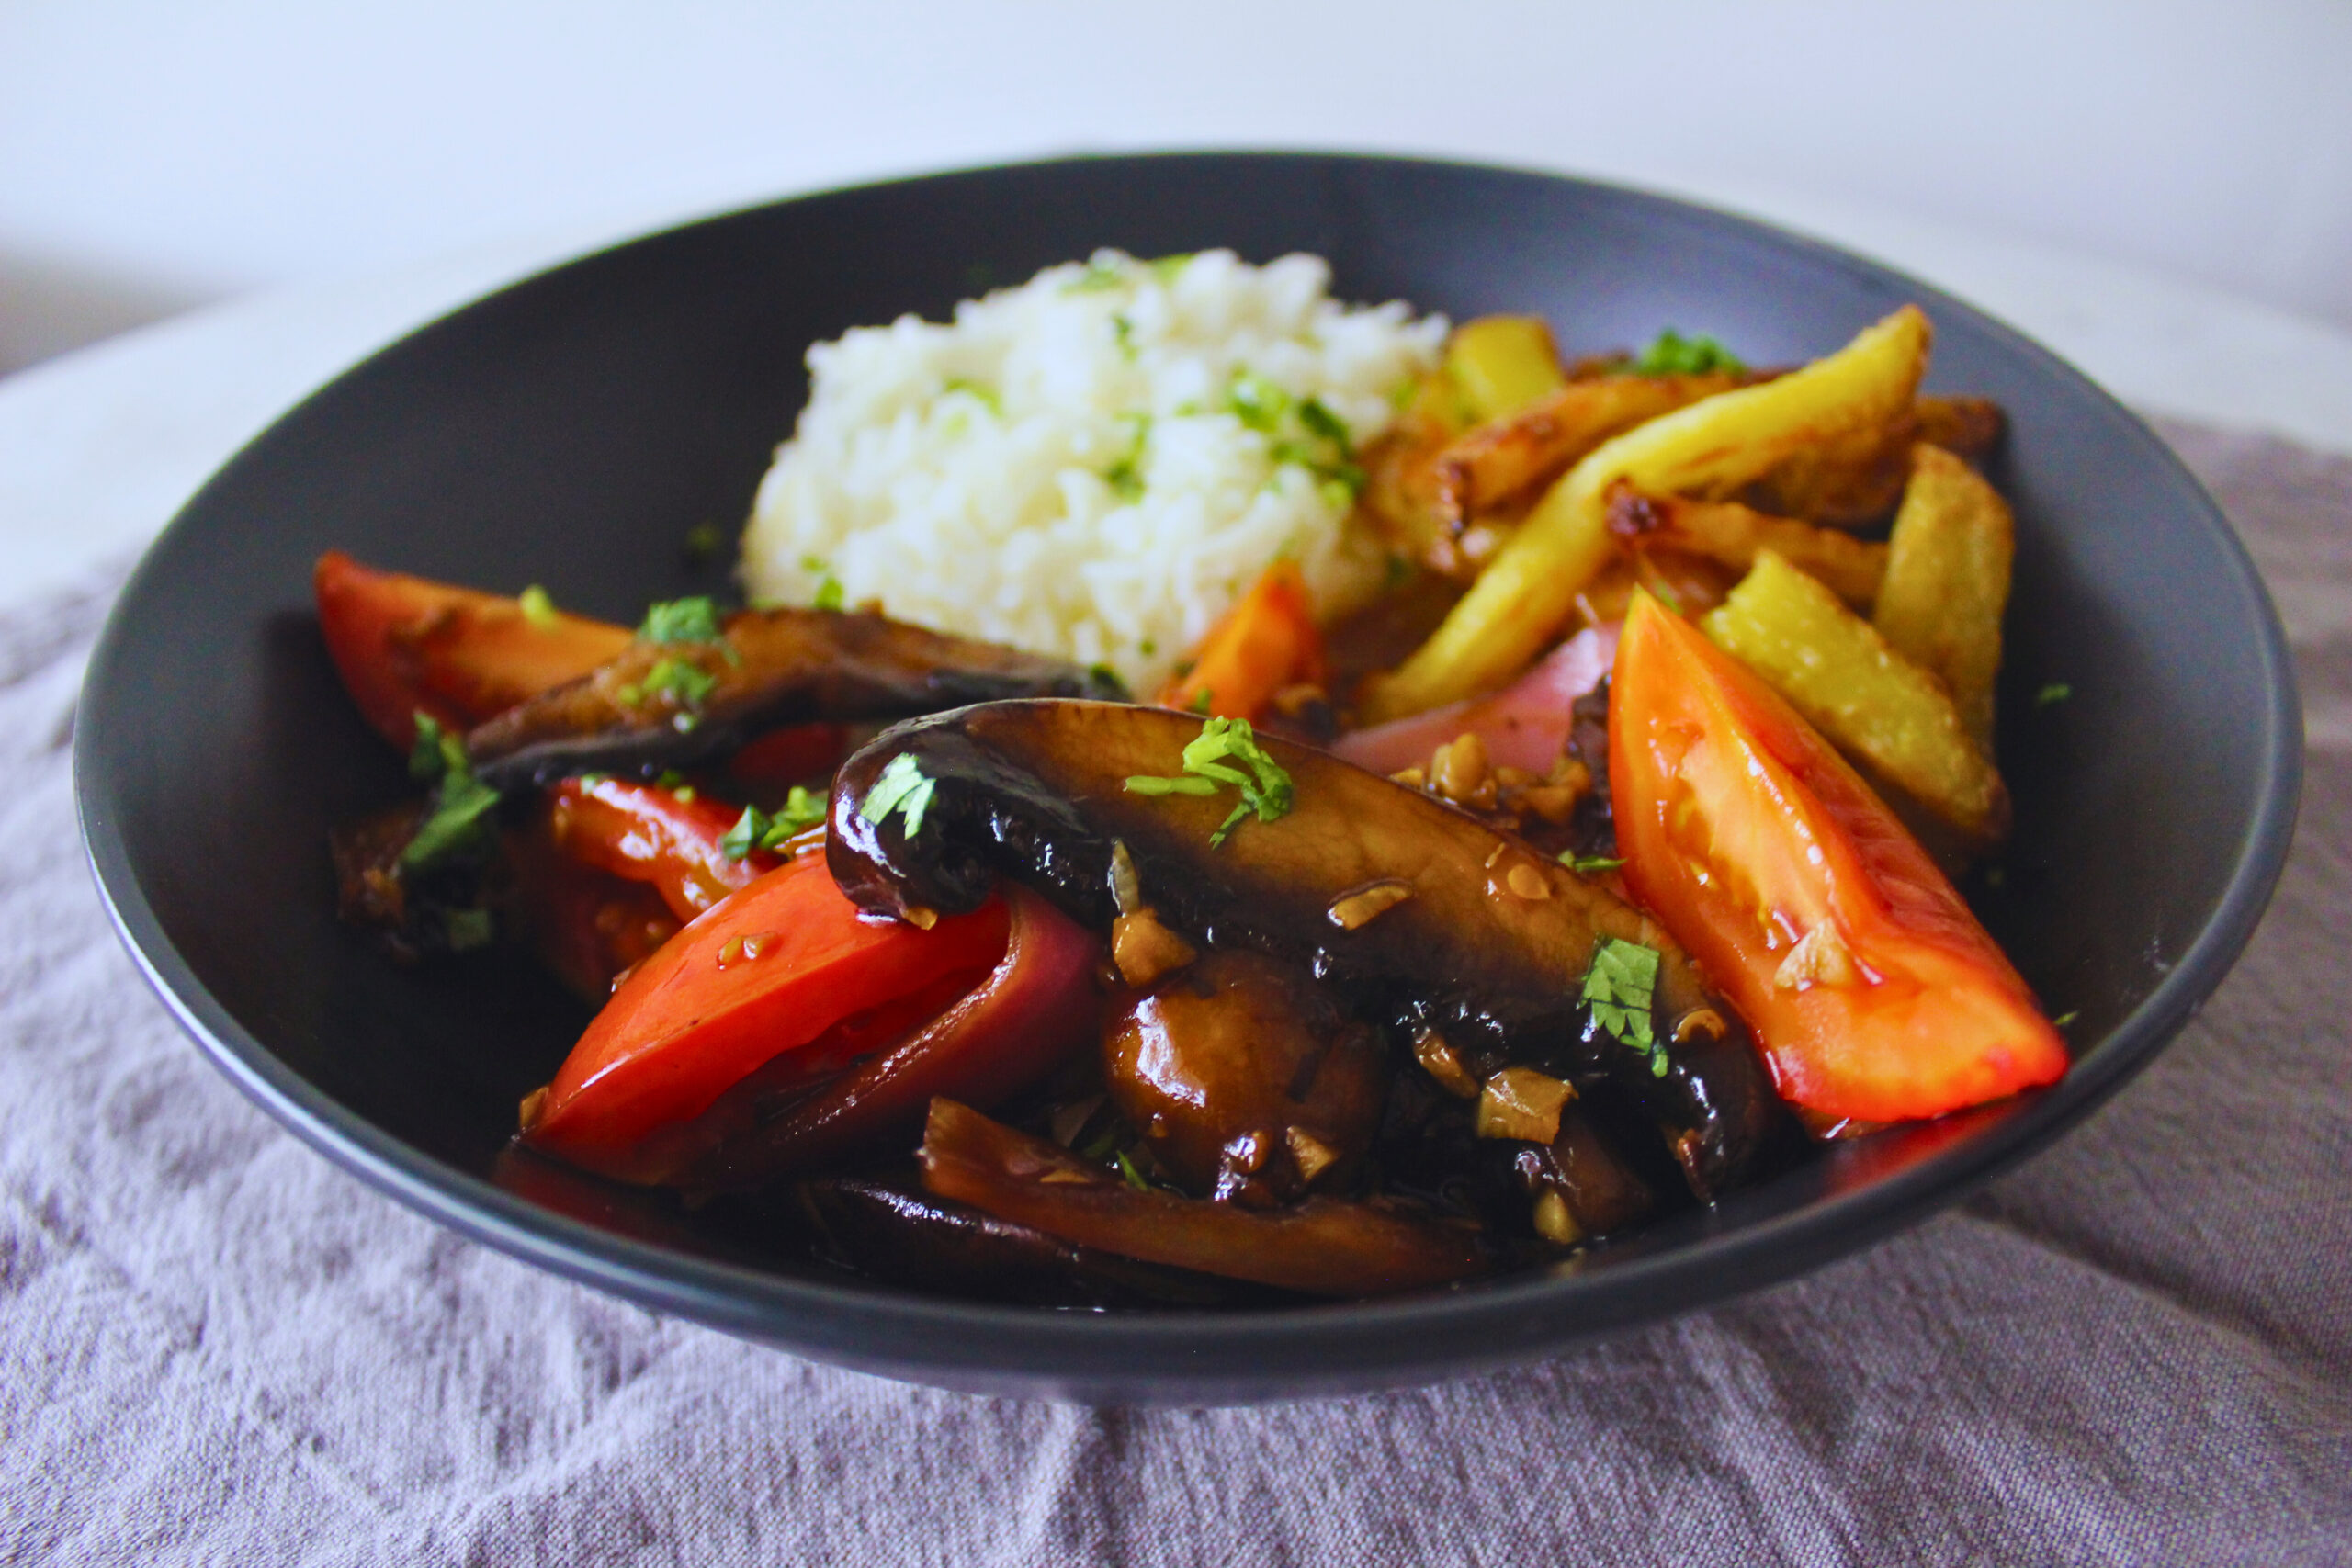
(1034, 1008)
(1525, 725)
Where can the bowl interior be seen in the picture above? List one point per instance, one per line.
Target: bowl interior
(570, 431)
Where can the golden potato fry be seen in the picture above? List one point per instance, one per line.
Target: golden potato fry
(1857, 479)
(1718, 443)
(1399, 497)
(1727, 532)
(1948, 582)
(1497, 461)
(1501, 363)
(1689, 584)
(1606, 597)
(1966, 427)
(1876, 706)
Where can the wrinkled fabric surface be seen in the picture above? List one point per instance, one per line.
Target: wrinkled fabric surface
(216, 1347)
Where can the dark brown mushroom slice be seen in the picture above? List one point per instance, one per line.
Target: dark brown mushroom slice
(1248, 1080)
(888, 1227)
(1416, 913)
(1323, 1247)
(1597, 1192)
(669, 705)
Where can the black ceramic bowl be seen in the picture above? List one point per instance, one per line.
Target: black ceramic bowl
(571, 430)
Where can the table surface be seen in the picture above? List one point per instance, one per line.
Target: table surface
(215, 1347)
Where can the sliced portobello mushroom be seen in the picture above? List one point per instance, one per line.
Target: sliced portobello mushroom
(1413, 911)
(668, 705)
(887, 1226)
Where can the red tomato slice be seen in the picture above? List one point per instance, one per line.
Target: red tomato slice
(1873, 993)
(646, 833)
(781, 965)
(408, 643)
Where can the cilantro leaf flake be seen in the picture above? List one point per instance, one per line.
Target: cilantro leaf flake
(903, 787)
(1619, 990)
(1674, 355)
(757, 830)
(459, 827)
(1227, 753)
(680, 620)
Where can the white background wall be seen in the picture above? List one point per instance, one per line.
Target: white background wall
(153, 152)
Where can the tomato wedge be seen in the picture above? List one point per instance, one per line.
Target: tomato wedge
(1266, 642)
(1874, 994)
(405, 644)
(644, 832)
(784, 979)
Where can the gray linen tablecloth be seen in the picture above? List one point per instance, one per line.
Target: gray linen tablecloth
(216, 1347)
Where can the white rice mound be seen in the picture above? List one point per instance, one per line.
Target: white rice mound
(1094, 465)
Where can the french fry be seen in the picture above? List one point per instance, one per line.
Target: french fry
(1718, 443)
(1400, 472)
(1858, 479)
(1948, 582)
(1496, 461)
(1965, 427)
(1689, 584)
(1873, 703)
(1727, 532)
(1501, 363)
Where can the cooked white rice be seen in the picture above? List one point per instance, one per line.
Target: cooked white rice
(1096, 464)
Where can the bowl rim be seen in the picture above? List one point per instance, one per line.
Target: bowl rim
(1226, 1356)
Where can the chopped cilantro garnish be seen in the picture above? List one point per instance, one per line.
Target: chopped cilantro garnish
(2063, 1018)
(1166, 268)
(1125, 476)
(1320, 444)
(537, 607)
(1097, 276)
(755, 830)
(801, 810)
(985, 396)
(466, 929)
(436, 753)
(750, 832)
(1674, 355)
(680, 620)
(1266, 789)
(903, 787)
(689, 684)
(1149, 649)
(1320, 421)
(2053, 694)
(1619, 989)
(829, 594)
(1124, 330)
(1203, 701)
(1589, 865)
(1256, 402)
(459, 826)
